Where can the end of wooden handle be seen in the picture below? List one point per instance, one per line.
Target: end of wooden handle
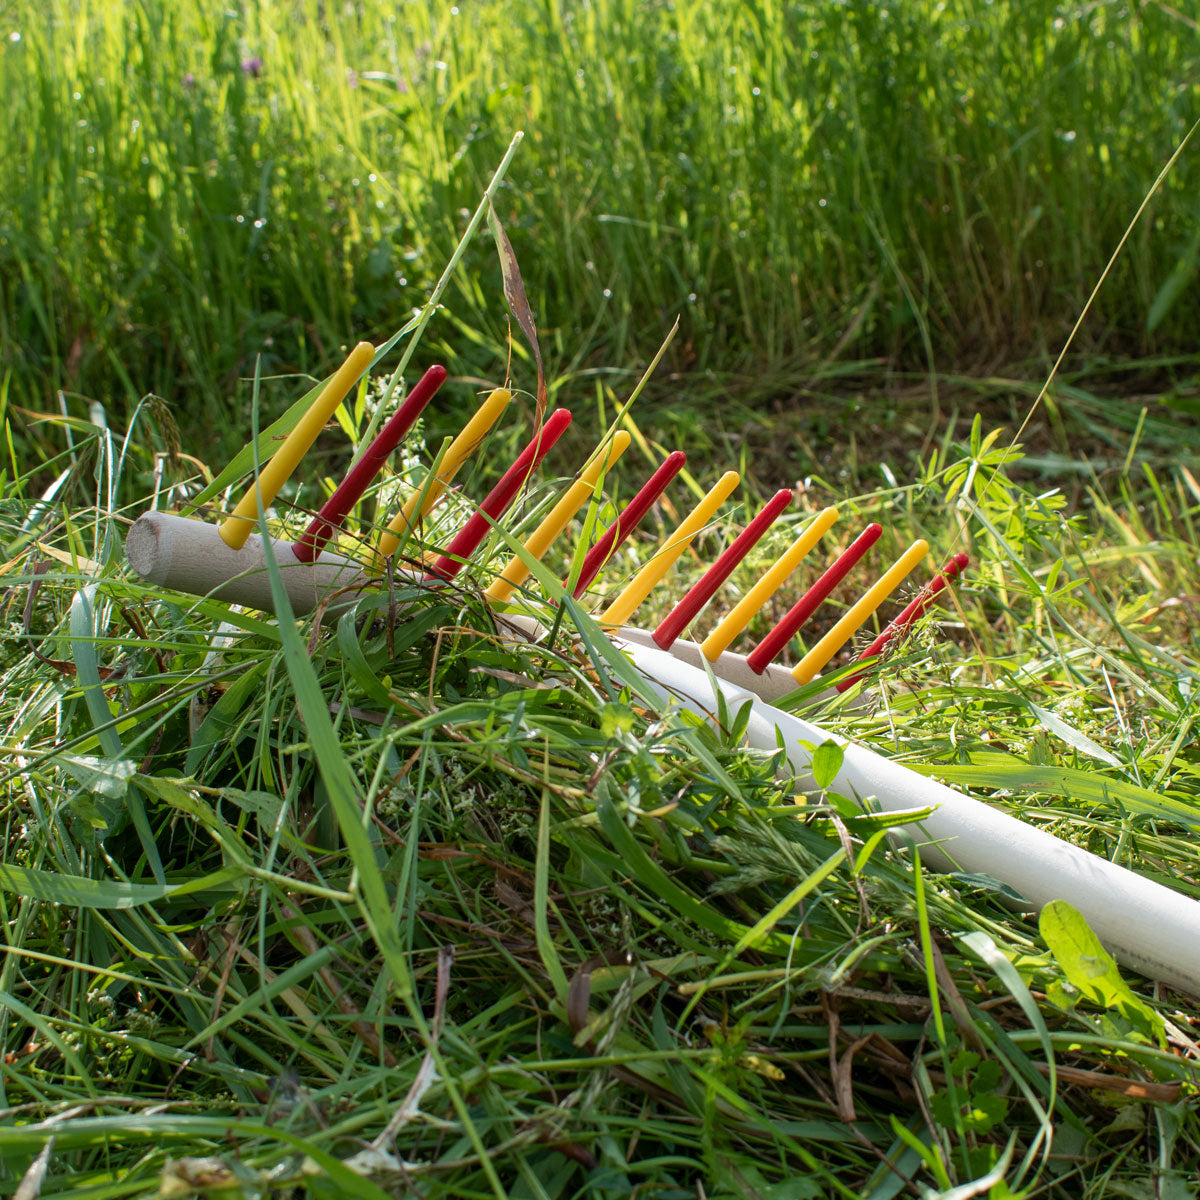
(148, 551)
(188, 555)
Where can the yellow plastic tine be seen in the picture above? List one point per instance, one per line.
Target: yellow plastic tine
(850, 624)
(238, 526)
(417, 507)
(555, 521)
(747, 608)
(639, 587)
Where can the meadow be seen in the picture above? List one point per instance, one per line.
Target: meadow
(366, 906)
(820, 192)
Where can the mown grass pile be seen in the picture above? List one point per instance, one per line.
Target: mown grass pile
(386, 904)
(815, 190)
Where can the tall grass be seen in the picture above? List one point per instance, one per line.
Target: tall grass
(807, 186)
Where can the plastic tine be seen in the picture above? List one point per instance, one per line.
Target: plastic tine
(238, 526)
(850, 624)
(627, 521)
(747, 608)
(696, 597)
(421, 501)
(641, 585)
(909, 615)
(769, 648)
(348, 493)
(466, 541)
(555, 521)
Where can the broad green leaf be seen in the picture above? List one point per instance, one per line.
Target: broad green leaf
(826, 763)
(979, 1112)
(177, 796)
(78, 891)
(1087, 965)
(264, 805)
(615, 719)
(108, 777)
(84, 806)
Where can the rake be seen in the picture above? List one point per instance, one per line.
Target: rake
(1145, 925)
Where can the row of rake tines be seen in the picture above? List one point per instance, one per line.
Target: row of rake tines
(468, 538)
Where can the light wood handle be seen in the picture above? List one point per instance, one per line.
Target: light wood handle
(189, 555)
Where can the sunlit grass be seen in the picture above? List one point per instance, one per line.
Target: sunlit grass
(812, 190)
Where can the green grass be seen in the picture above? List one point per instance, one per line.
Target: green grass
(396, 896)
(390, 905)
(819, 192)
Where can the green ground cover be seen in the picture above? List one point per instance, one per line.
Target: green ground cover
(375, 906)
(575, 947)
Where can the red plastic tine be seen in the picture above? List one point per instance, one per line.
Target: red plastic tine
(701, 592)
(910, 615)
(762, 655)
(917, 607)
(627, 521)
(466, 541)
(348, 493)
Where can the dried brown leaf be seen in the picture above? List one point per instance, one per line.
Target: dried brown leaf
(518, 304)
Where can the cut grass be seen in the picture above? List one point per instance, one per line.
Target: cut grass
(572, 947)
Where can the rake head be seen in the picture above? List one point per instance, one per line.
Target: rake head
(229, 560)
